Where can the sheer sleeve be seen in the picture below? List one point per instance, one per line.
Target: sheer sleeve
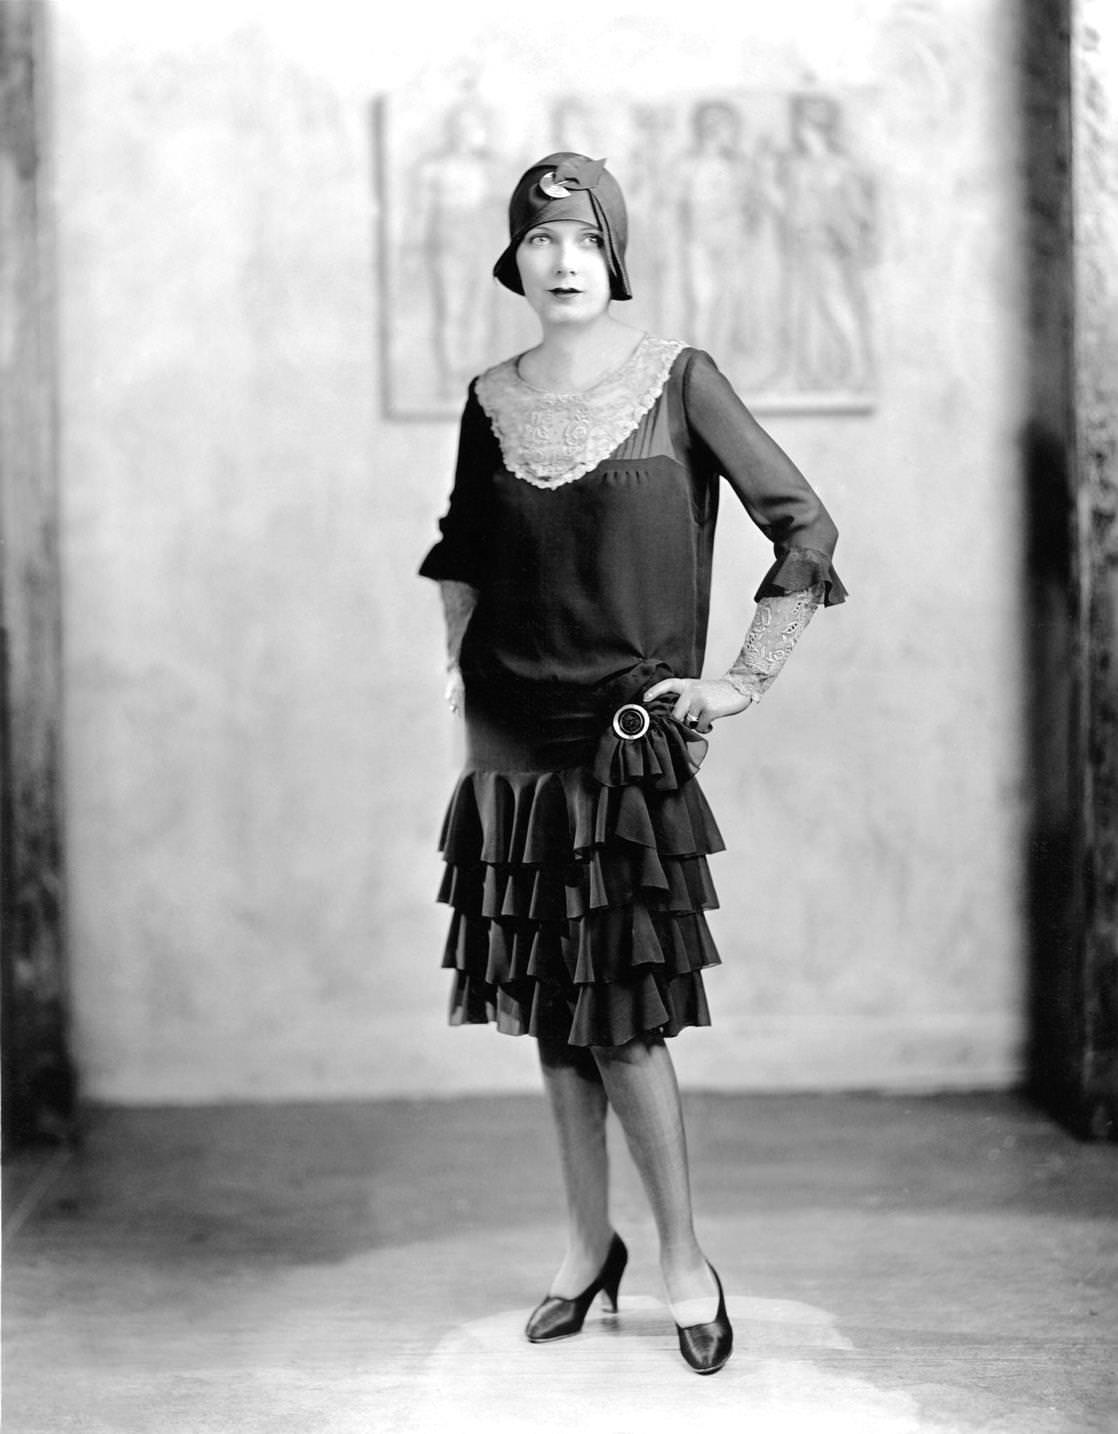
(459, 601)
(459, 555)
(778, 624)
(772, 489)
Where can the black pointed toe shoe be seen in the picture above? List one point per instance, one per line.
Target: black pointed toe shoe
(707, 1347)
(555, 1318)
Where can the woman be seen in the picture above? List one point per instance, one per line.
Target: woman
(575, 567)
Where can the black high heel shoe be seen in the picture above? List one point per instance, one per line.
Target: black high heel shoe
(707, 1347)
(555, 1318)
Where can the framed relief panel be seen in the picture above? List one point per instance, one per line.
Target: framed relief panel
(753, 234)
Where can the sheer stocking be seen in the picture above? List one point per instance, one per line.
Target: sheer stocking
(639, 1079)
(578, 1106)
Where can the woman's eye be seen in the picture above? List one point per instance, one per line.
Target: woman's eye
(537, 238)
(594, 239)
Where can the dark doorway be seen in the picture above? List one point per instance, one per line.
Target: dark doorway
(1071, 580)
(38, 1086)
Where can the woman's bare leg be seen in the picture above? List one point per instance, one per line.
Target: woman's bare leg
(639, 1079)
(578, 1106)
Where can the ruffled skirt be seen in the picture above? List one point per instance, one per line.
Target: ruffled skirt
(579, 894)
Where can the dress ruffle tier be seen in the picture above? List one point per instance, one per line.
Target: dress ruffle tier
(579, 895)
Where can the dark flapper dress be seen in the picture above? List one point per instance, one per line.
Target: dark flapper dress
(577, 837)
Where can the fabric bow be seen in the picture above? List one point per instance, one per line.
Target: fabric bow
(573, 173)
(667, 754)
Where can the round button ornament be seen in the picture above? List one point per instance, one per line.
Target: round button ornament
(631, 722)
(552, 187)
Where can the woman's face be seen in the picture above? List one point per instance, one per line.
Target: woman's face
(564, 271)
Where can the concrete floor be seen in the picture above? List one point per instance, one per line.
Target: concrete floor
(893, 1266)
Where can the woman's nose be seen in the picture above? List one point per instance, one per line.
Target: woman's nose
(566, 260)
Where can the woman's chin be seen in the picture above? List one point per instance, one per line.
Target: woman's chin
(570, 311)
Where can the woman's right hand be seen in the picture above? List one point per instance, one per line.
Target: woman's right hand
(700, 702)
(455, 693)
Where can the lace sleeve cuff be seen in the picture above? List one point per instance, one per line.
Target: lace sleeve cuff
(777, 626)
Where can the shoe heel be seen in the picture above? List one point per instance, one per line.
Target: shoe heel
(556, 1318)
(611, 1275)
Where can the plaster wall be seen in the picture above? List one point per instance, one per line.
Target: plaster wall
(257, 752)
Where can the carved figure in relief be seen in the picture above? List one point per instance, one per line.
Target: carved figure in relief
(652, 128)
(717, 210)
(831, 235)
(766, 350)
(457, 211)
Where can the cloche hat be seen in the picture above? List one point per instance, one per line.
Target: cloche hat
(568, 186)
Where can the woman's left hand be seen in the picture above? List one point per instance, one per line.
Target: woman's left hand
(455, 691)
(700, 703)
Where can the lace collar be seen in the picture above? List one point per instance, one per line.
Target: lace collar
(549, 439)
